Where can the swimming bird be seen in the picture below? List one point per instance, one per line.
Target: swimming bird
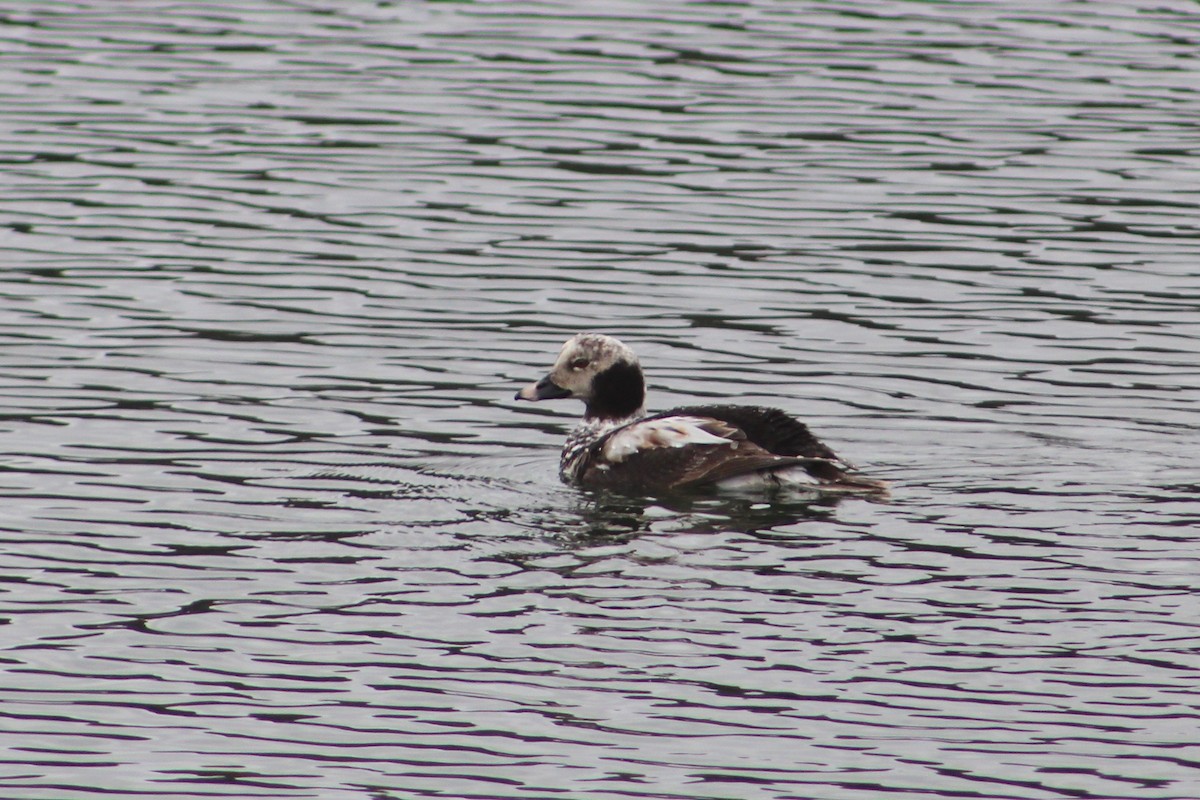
(618, 446)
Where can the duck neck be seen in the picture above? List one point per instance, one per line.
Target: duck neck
(618, 393)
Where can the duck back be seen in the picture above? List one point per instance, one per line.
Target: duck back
(771, 429)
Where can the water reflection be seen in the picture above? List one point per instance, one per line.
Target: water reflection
(600, 517)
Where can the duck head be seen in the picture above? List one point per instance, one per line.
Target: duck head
(597, 369)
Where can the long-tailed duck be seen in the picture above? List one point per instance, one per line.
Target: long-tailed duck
(619, 447)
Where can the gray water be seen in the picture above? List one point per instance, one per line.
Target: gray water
(273, 526)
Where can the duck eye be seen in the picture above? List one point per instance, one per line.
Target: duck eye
(579, 363)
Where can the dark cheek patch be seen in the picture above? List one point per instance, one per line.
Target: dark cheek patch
(617, 392)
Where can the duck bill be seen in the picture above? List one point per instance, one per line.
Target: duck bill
(545, 389)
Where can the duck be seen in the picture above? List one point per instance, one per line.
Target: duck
(619, 447)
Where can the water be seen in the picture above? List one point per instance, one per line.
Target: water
(273, 526)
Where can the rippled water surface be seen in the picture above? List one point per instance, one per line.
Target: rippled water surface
(273, 526)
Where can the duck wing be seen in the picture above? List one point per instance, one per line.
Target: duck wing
(671, 451)
(770, 428)
(778, 433)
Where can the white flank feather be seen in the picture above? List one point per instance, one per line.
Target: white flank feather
(656, 433)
